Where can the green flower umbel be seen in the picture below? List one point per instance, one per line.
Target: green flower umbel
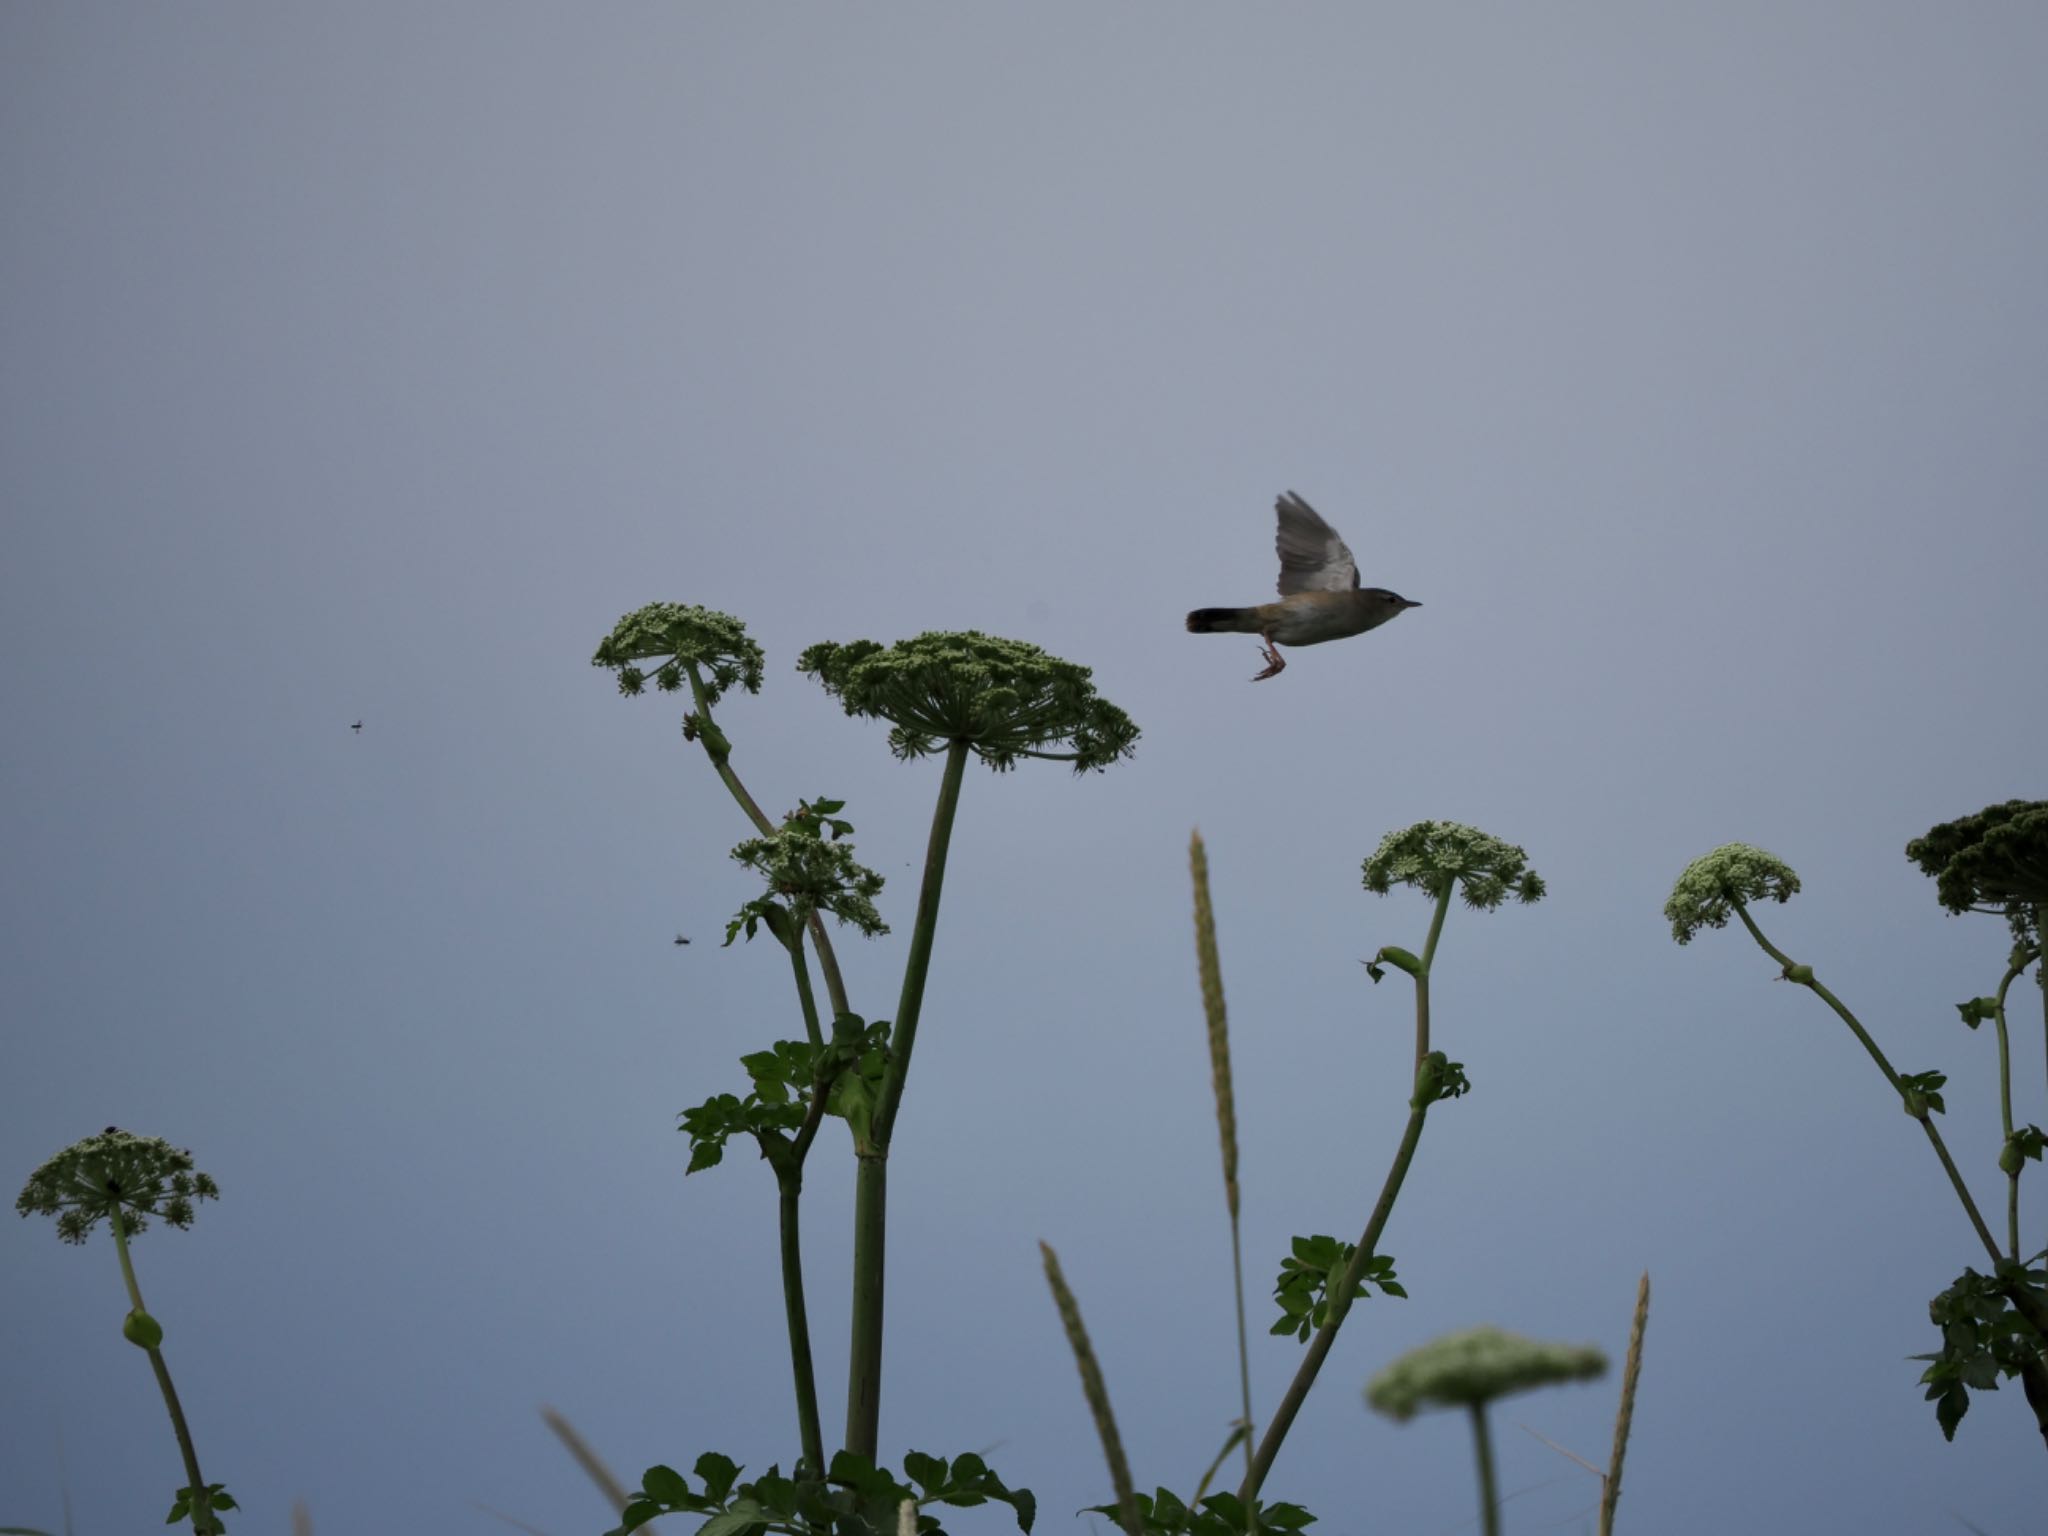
(1433, 855)
(1469, 1370)
(808, 863)
(691, 642)
(138, 1176)
(1716, 884)
(1003, 698)
(1994, 861)
(1472, 1368)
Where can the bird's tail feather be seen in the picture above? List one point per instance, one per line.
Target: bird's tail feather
(1223, 621)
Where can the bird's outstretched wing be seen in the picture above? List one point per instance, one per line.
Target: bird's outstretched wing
(1312, 557)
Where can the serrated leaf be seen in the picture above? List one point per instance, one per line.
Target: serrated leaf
(717, 1473)
(1949, 1410)
(774, 1493)
(634, 1515)
(664, 1484)
(1980, 1373)
(1168, 1511)
(1026, 1504)
(1286, 1517)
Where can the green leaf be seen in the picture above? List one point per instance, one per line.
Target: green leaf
(717, 1473)
(1316, 1251)
(865, 1478)
(1026, 1504)
(775, 1493)
(1949, 1409)
(928, 1472)
(665, 1484)
(1168, 1511)
(1285, 1517)
(634, 1515)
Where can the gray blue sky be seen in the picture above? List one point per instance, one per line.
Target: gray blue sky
(1687, 363)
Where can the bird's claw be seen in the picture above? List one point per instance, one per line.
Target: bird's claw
(1275, 663)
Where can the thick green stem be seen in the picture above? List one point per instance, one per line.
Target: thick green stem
(804, 996)
(871, 1182)
(903, 1036)
(790, 1182)
(203, 1521)
(2041, 966)
(864, 1360)
(1489, 1500)
(2012, 1179)
(1339, 1304)
(1926, 1120)
(828, 962)
(1436, 927)
(1340, 1298)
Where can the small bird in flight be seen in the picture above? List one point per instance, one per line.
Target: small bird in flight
(681, 940)
(357, 727)
(1320, 598)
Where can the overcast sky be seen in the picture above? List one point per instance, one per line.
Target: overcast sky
(1688, 364)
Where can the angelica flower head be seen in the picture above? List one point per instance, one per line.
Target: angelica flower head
(1468, 1369)
(1713, 885)
(686, 637)
(1003, 698)
(808, 863)
(1432, 855)
(139, 1176)
(1993, 861)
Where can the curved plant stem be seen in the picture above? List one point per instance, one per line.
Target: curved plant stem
(202, 1520)
(2041, 963)
(828, 962)
(1340, 1296)
(790, 1185)
(789, 1182)
(1436, 927)
(1489, 1501)
(2012, 1180)
(1934, 1140)
(871, 1181)
(804, 996)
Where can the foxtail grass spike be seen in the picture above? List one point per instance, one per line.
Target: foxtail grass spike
(1093, 1389)
(592, 1464)
(1212, 1009)
(1631, 1368)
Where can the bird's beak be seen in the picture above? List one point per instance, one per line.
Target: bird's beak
(1408, 603)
